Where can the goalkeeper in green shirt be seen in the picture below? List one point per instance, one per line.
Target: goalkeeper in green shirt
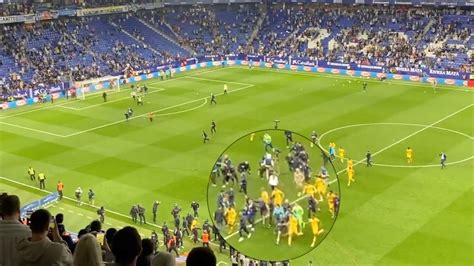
(298, 212)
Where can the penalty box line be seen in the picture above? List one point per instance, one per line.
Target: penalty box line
(374, 154)
(107, 102)
(85, 204)
(98, 94)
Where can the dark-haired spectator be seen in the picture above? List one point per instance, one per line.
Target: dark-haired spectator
(126, 246)
(109, 237)
(201, 256)
(62, 231)
(11, 230)
(147, 253)
(96, 227)
(87, 252)
(39, 250)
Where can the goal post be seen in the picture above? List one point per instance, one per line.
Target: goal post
(97, 85)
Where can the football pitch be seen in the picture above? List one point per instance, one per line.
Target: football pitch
(395, 213)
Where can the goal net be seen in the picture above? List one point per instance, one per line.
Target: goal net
(97, 85)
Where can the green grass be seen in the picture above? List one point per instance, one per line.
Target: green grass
(391, 215)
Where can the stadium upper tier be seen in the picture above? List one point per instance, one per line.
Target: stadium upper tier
(94, 46)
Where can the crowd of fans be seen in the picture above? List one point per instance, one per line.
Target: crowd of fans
(49, 52)
(44, 240)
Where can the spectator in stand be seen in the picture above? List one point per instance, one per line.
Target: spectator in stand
(39, 250)
(11, 230)
(126, 246)
(63, 233)
(147, 253)
(163, 258)
(109, 237)
(87, 252)
(201, 256)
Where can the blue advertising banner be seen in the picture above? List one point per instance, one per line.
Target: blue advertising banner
(32, 206)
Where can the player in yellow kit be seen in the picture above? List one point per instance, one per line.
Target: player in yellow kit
(231, 216)
(341, 153)
(321, 187)
(350, 176)
(309, 190)
(292, 228)
(316, 228)
(252, 136)
(331, 197)
(350, 163)
(265, 197)
(278, 196)
(409, 155)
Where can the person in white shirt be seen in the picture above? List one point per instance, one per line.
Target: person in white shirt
(273, 180)
(11, 230)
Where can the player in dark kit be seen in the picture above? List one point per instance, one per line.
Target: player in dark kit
(364, 85)
(289, 138)
(154, 240)
(195, 207)
(185, 226)
(175, 211)
(177, 222)
(243, 227)
(134, 213)
(155, 210)
(244, 167)
(443, 159)
(165, 231)
(213, 99)
(101, 213)
(219, 217)
(368, 157)
(213, 127)
(141, 214)
(243, 183)
(205, 138)
(128, 113)
(104, 96)
(312, 206)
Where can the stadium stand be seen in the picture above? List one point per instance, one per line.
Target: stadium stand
(81, 48)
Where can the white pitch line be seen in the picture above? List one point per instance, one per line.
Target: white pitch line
(99, 94)
(32, 129)
(375, 153)
(116, 100)
(156, 111)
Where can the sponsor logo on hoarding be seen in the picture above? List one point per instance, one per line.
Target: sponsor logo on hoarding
(4, 105)
(293, 67)
(182, 69)
(449, 81)
(430, 80)
(99, 86)
(149, 76)
(381, 75)
(306, 68)
(86, 89)
(216, 63)
(281, 66)
(414, 78)
(138, 78)
(321, 69)
(365, 74)
(55, 95)
(335, 71)
(244, 62)
(396, 76)
(231, 62)
(268, 64)
(20, 102)
(350, 72)
(202, 64)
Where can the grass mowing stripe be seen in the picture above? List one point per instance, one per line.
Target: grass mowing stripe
(32, 129)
